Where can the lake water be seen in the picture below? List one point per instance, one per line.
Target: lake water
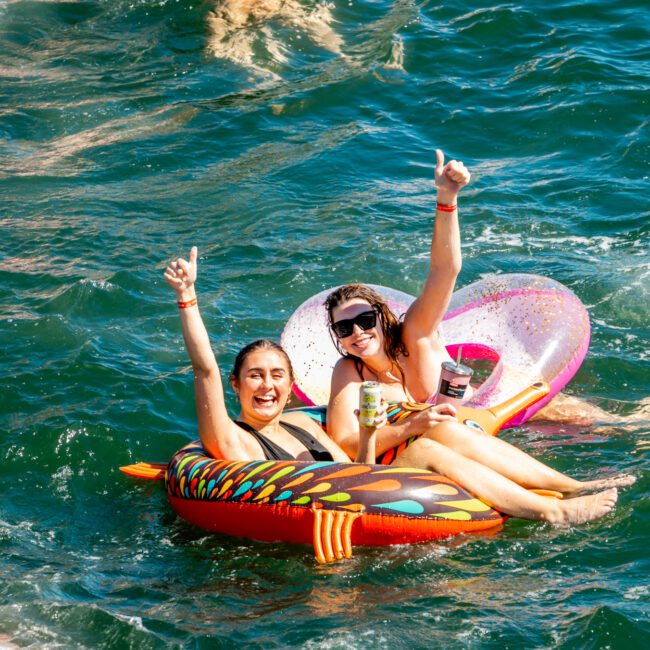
(297, 152)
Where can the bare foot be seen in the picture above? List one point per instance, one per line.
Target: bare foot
(586, 508)
(590, 487)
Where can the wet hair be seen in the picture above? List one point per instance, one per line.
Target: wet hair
(260, 344)
(391, 326)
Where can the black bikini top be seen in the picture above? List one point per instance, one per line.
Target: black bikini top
(275, 452)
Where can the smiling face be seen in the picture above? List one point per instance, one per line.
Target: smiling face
(361, 343)
(263, 385)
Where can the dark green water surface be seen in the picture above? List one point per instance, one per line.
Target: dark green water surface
(294, 167)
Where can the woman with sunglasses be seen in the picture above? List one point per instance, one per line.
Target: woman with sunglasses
(405, 358)
(262, 378)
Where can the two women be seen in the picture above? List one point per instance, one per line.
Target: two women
(262, 379)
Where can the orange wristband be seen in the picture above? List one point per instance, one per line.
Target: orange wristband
(185, 305)
(446, 208)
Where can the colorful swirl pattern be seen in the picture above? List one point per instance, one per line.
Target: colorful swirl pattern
(371, 489)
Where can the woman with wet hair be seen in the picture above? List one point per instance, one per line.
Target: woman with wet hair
(262, 379)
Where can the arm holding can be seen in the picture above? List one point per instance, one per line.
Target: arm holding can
(344, 426)
(343, 414)
(372, 416)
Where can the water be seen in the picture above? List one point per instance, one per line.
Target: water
(297, 153)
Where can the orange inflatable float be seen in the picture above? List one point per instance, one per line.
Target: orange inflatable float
(331, 505)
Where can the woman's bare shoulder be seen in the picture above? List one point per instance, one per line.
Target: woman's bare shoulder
(346, 369)
(311, 426)
(302, 420)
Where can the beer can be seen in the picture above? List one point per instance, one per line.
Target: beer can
(369, 402)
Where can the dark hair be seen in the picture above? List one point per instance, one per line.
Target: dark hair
(260, 344)
(391, 326)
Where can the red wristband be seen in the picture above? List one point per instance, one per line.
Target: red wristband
(185, 305)
(446, 208)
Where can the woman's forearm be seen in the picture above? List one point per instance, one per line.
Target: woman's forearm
(196, 336)
(391, 435)
(366, 450)
(385, 438)
(445, 243)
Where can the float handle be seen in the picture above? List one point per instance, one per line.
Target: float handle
(150, 471)
(491, 420)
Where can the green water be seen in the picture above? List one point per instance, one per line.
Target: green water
(124, 140)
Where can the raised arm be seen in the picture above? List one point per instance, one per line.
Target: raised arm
(220, 436)
(425, 314)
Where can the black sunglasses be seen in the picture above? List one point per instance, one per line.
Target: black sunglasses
(365, 320)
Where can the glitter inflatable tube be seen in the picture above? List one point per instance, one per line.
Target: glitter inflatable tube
(528, 328)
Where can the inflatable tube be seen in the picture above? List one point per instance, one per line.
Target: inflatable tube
(328, 504)
(531, 328)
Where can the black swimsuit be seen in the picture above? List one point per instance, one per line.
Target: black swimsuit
(275, 452)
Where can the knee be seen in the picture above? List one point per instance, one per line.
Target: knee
(421, 453)
(429, 454)
(443, 430)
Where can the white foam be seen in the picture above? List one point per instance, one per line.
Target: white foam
(637, 592)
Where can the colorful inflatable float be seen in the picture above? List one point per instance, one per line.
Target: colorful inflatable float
(335, 506)
(332, 505)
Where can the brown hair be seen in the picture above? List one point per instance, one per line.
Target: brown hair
(260, 344)
(391, 326)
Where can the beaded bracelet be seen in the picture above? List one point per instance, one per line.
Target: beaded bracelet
(446, 208)
(185, 305)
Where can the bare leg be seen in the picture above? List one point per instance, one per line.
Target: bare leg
(228, 41)
(502, 493)
(231, 34)
(571, 410)
(514, 464)
(567, 409)
(234, 25)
